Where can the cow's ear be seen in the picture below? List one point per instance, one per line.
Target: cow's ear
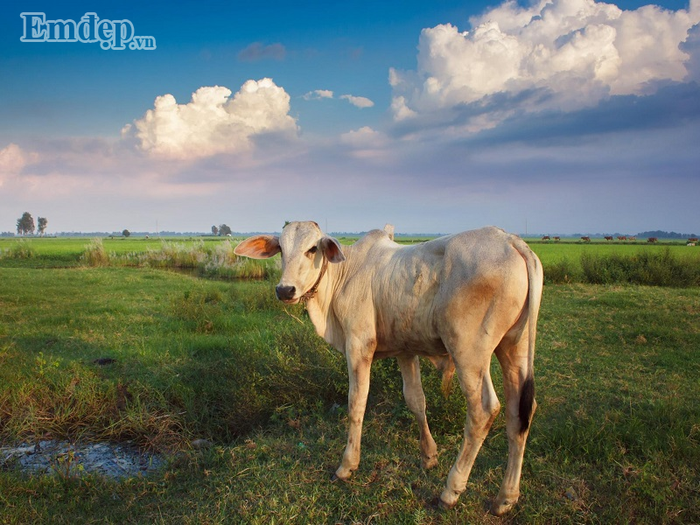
(331, 249)
(259, 247)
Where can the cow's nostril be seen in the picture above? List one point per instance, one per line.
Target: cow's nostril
(285, 293)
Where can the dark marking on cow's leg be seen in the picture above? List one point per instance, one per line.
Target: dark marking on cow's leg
(527, 398)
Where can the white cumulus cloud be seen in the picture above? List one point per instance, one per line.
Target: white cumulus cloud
(214, 122)
(318, 94)
(360, 102)
(552, 55)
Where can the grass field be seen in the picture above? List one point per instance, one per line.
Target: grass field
(616, 437)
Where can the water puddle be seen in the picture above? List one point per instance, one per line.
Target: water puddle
(66, 459)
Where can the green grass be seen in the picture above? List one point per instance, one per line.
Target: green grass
(616, 438)
(206, 256)
(600, 262)
(553, 251)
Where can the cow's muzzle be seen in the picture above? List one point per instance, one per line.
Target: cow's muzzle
(285, 293)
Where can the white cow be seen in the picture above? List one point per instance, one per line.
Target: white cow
(455, 300)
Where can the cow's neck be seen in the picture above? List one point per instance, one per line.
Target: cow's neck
(320, 305)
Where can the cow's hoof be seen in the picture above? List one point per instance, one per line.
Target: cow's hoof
(438, 504)
(499, 508)
(428, 463)
(337, 477)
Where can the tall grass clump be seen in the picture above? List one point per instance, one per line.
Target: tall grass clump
(21, 250)
(173, 255)
(223, 263)
(216, 262)
(644, 268)
(95, 254)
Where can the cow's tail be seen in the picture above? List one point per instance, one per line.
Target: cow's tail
(535, 278)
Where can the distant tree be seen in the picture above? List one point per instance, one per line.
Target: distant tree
(126, 233)
(214, 230)
(42, 223)
(25, 224)
(224, 230)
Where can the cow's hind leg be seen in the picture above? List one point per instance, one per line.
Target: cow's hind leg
(519, 391)
(415, 399)
(482, 408)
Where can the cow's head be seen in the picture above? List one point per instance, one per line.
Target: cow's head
(305, 253)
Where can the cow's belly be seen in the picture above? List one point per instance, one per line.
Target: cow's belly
(433, 348)
(408, 334)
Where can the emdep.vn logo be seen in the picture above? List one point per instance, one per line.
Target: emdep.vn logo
(111, 34)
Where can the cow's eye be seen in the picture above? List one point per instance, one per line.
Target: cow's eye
(312, 250)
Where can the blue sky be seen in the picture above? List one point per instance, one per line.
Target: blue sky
(565, 117)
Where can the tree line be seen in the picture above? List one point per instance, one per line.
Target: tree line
(27, 226)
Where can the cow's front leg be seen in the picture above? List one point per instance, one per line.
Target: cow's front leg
(359, 358)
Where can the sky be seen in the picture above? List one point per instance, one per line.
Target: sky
(543, 116)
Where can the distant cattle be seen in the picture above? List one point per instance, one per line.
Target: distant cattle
(454, 300)
(631, 238)
(557, 238)
(621, 238)
(690, 244)
(586, 239)
(653, 239)
(608, 238)
(693, 239)
(545, 238)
